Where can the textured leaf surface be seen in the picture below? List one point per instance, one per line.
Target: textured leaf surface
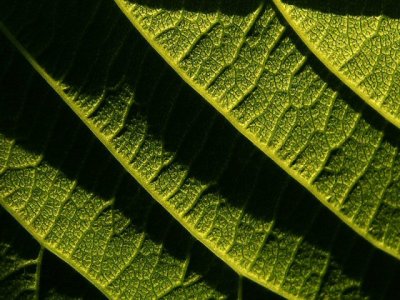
(359, 41)
(248, 63)
(19, 266)
(72, 196)
(231, 197)
(30, 272)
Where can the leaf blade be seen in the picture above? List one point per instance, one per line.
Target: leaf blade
(272, 131)
(279, 237)
(29, 271)
(92, 216)
(363, 78)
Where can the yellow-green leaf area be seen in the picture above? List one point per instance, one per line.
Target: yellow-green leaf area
(72, 196)
(359, 41)
(19, 268)
(29, 271)
(83, 206)
(248, 63)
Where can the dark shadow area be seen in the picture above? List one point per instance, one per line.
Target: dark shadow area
(200, 138)
(389, 8)
(252, 291)
(229, 7)
(60, 281)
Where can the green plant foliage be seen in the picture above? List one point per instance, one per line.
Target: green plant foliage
(29, 271)
(358, 41)
(73, 197)
(182, 205)
(248, 64)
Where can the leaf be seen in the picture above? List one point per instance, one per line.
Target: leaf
(249, 65)
(358, 41)
(18, 268)
(245, 209)
(80, 204)
(30, 272)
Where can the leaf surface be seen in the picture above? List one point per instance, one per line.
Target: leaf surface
(80, 204)
(229, 196)
(358, 41)
(19, 268)
(28, 271)
(249, 65)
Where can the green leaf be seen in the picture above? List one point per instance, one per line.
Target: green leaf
(19, 266)
(248, 63)
(65, 190)
(28, 271)
(78, 202)
(358, 41)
